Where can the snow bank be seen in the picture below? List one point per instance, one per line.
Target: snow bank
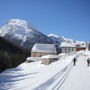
(84, 52)
(34, 58)
(50, 56)
(63, 55)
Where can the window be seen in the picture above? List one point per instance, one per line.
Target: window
(72, 49)
(33, 54)
(65, 50)
(69, 49)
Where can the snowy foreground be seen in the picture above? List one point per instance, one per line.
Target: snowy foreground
(60, 75)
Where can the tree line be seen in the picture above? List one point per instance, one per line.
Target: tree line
(11, 55)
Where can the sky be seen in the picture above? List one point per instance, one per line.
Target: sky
(68, 18)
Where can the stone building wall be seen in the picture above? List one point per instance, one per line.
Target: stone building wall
(48, 61)
(39, 54)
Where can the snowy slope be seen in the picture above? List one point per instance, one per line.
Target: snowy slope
(29, 76)
(22, 33)
(56, 76)
(60, 38)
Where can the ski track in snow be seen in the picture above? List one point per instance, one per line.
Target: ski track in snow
(60, 75)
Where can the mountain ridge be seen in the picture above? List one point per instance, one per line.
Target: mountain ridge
(26, 36)
(59, 39)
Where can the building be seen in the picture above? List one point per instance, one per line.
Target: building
(47, 59)
(88, 46)
(67, 47)
(39, 50)
(79, 48)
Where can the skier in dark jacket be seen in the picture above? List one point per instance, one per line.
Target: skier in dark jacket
(88, 62)
(74, 61)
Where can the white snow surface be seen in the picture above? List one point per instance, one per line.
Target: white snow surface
(15, 25)
(17, 22)
(50, 35)
(60, 39)
(50, 56)
(65, 44)
(63, 39)
(34, 58)
(79, 77)
(60, 75)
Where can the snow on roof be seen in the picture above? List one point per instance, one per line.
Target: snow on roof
(65, 44)
(34, 58)
(83, 46)
(50, 56)
(44, 48)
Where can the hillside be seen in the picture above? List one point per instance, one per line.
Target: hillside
(59, 39)
(8, 46)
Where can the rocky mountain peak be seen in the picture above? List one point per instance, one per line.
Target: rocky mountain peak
(22, 33)
(17, 22)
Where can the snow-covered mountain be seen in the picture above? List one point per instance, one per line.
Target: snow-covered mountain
(59, 39)
(20, 32)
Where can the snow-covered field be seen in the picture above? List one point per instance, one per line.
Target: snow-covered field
(60, 75)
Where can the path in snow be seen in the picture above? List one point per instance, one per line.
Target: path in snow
(79, 77)
(57, 80)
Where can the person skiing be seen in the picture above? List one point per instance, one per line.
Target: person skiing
(88, 62)
(74, 61)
